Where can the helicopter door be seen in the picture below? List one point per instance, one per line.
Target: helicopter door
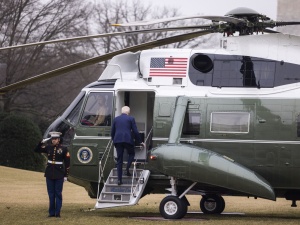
(93, 130)
(141, 108)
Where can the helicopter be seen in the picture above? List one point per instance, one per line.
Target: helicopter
(215, 122)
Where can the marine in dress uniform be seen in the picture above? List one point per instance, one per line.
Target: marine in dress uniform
(121, 133)
(56, 172)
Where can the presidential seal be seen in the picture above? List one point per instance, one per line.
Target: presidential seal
(84, 155)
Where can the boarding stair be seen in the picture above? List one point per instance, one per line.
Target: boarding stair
(129, 193)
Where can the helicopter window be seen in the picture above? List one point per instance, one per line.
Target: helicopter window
(74, 114)
(243, 73)
(191, 125)
(227, 74)
(67, 133)
(230, 122)
(239, 71)
(247, 71)
(264, 73)
(202, 63)
(286, 73)
(298, 126)
(98, 109)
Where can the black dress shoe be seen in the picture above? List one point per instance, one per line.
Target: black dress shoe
(51, 215)
(119, 182)
(57, 215)
(127, 173)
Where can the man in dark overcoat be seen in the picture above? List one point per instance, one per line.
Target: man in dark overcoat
(122, 132)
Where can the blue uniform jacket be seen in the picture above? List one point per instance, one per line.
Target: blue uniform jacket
(55, 154)
(122, 129)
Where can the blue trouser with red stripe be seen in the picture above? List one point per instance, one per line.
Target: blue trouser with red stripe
(54, 188)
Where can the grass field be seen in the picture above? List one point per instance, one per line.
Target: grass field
(24, 200)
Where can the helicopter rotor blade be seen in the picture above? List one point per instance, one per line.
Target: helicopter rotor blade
(271, 31)
(84, 63)
(286, 23)
(271, 24)
(213, 18)
(228, 19)
(109, 35)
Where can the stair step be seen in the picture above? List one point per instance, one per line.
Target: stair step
(112, 201)
(103, 205)
(119, 197)
(125, 180)
(118, 189)
(114, 195)
(126, 193)
(114, 172)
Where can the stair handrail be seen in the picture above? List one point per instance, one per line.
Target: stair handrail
(134, 174)
(148, 134)
(101, 169)
(107, 155)
(146, 142)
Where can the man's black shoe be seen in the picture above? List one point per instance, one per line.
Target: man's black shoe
(57, 215)
(119, 182)
(51, 215)
(127, 173)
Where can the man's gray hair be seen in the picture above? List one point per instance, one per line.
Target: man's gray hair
(126, 110)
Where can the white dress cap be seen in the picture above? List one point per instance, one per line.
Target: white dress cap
(55, 134)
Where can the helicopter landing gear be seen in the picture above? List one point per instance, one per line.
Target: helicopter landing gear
(212, 204)
(173, 206)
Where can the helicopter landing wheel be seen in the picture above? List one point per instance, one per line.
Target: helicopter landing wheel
(212, 204)
(172, 207)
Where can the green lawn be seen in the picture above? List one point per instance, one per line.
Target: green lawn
(24, 200)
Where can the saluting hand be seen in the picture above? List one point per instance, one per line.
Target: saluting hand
(45, 140)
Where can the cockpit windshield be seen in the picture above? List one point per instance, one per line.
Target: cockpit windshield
(66, 122)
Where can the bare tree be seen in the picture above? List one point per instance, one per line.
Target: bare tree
(113, 12)
(26, 21)
(31, 21)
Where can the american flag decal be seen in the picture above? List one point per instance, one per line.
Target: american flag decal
(168, 67)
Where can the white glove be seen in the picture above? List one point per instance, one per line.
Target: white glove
(142, 145)
(65, 178)
(45, 140)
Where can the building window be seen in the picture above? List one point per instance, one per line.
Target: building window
(230, 122)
